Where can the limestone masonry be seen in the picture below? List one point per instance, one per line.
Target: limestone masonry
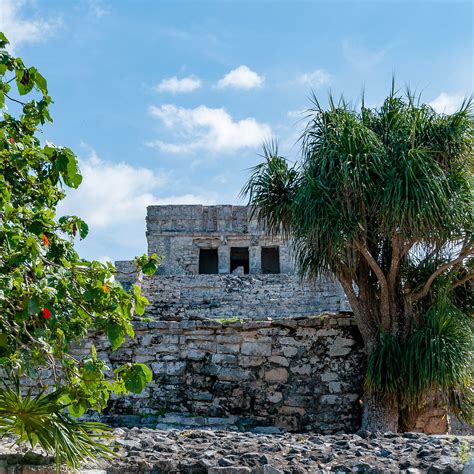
(296, 374)
(234, 338)
(219, 264)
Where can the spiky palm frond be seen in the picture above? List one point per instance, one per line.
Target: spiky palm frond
(384, 368)
(271, 190)
(399, 168)
(437, 360)
(41, 420)
(439, 357)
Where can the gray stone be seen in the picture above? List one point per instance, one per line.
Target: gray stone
(232, 374)
(468, 467)
(279, 360)
(229, 470)
(224, 359)
(329, 377)
(276, 375)
(256, 348)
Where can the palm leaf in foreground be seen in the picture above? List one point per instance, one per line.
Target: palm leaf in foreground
(41, 420)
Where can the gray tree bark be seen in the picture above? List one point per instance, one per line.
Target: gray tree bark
(379, 415)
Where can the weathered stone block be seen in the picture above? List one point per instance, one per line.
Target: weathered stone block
(250, 361)
(229, 338)
(166, 348)
(290, 410)
(232, 374)
(228, 348)
(337, 351)
(275, 397)
(279, 360)
(224, 359)
(329, 376)
(289, 341)
(276, 375)
(168, 368)
(193, 354)
(329, 399)
(256, 348)
(301, 369)
(327, 332)
(289, 351)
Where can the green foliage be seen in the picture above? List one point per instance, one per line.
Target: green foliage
(136, 377)
(465, 452)
(383, 374)
(41, 420)
(437, 353)
(382, 199)
(434, 364)
(364, 175)
(51, 298)
(230, 319)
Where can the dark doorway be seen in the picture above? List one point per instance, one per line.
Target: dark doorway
(239, 257)
(208, 261)
(270, 259)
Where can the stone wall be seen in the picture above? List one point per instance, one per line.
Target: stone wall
(241, 296)
(300, 374)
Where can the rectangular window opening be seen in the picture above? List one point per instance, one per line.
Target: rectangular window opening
(208, 262)
(239, 257)
(270, 259)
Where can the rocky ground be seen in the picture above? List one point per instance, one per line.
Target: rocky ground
(223, 452)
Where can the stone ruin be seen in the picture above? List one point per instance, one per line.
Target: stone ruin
(235, 339)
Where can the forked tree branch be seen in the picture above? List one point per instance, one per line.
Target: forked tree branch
(395, 262)
(468, 277)
(361, 313)
(384, 290)
(426, 287)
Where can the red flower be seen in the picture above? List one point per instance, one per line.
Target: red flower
(45, 240)
(46, 313)
(11, 140)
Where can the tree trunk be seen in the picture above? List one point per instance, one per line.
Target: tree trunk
(379, 415)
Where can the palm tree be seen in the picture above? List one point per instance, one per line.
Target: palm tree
(382, 200)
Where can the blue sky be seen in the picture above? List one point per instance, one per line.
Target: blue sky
(169, 101)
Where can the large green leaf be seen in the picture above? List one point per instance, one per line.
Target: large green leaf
(41, 83)
(3, 40)
(136, 378)
(25, 80)
(116, 335)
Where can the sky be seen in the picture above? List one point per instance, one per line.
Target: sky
(169, 102)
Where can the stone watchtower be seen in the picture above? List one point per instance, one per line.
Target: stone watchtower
(213, 240)
(219, 264)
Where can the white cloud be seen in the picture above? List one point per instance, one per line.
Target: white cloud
(315, 79)
(363, 58)
(297, 114)
(447, 103)
(241, 78)
(111, 192)
(174, 85)
(104, 259)
(188, 199)
(98, 8)
(113, 198)
(204, 128)
(19, 30)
